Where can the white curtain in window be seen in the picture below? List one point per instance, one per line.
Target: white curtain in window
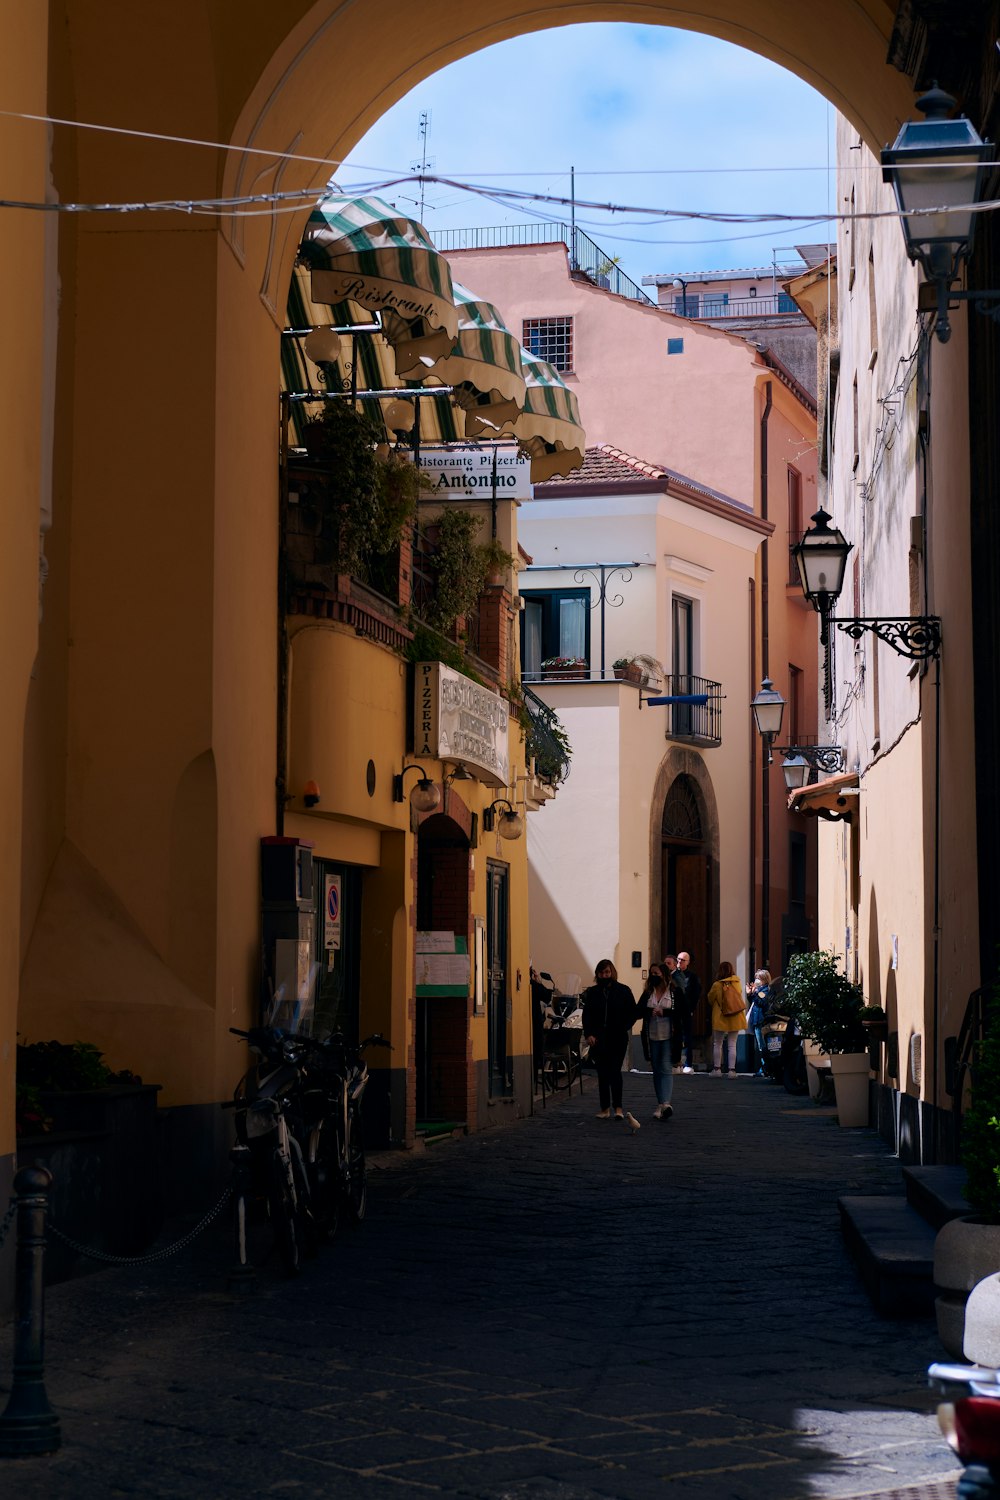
(532, 620)
(573, 627)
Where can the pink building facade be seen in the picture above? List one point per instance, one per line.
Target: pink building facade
(713, 408)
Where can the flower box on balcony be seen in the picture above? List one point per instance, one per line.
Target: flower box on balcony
(561, 667)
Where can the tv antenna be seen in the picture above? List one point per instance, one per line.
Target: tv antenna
(426, 162)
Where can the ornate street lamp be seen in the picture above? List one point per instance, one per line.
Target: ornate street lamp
(821, 557)
(425, 795)
(795, 771)
(768, 706)
(936, 167)
(502, 815)
(803, 762)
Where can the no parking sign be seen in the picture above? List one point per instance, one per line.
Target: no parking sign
(331, 911)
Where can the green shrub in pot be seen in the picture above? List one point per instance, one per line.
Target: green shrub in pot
(828, 1006)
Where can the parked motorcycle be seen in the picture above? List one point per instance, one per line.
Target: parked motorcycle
(783, 1060)
(564, 1046)
(970, 1421)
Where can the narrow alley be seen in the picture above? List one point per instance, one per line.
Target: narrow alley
(560, 1310)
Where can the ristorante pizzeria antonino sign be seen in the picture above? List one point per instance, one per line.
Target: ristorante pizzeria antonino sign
(456, 719)
(477, 472)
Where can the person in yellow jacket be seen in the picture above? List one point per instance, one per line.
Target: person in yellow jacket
(728, 1016)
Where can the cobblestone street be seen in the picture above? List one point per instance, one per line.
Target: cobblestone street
(557, 1311)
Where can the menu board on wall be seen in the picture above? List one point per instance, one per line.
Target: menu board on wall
(442, 964)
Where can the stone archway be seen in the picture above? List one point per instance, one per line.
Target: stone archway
(158, 643)
(684, 819)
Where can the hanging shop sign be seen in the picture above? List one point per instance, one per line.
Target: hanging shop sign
(470, 473)
(457, 719)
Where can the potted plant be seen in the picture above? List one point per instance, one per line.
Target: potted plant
(461, 565)
(621, 665)
(967, 1249)
(604, 269)
(565, 666)
(828, 1008)
(359, 497)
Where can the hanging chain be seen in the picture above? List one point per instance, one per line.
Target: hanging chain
(136, 1260)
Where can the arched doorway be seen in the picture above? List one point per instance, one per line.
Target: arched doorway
(686, 880)
(441, 1040)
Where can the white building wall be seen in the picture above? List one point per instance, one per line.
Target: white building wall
(901, 885)
(594, 851)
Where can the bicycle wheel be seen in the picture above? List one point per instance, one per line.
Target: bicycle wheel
(356, 1185)
(283, 1217)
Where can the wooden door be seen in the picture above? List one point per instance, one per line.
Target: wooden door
(688, 921)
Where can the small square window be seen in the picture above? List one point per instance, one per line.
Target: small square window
(675, 346)
(550, 339)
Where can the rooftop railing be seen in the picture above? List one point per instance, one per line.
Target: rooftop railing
(585, 255)
(708, 309)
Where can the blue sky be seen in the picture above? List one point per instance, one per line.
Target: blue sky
(619, 103)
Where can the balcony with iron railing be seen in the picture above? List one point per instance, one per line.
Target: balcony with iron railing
(697, 721)
(545, 740)
(585, 257)
(707, 309)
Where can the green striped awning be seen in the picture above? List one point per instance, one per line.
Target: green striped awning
(484, 367)
(376, 371)
(549, 427)
(362, 249)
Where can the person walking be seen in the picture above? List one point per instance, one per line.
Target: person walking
(656, 1005)
(759, 995)
(609, 1013)
(728, 1016)
(687, 985)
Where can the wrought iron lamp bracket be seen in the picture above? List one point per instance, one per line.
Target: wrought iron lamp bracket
(986, 300)
(826, 758)
(917, 637)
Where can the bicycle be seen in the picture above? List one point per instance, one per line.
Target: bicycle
(267, 1104)
(335, 1151)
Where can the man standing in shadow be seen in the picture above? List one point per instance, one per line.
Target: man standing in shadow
(687, 987)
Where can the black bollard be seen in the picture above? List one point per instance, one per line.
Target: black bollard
(29, 1425)
(242, 1277)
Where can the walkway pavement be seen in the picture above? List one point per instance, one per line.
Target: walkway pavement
(556, 1311)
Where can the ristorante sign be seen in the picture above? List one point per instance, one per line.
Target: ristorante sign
(374, 292)
(456, 719)
(476, 473)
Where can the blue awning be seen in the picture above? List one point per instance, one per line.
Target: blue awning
(698, 699)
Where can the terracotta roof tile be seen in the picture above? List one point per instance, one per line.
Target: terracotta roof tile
(603, 463)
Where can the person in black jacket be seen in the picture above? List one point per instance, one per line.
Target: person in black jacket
(687, 987)
(609, 1013)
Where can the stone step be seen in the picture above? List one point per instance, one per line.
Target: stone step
(893, 1246)
(936, 1193)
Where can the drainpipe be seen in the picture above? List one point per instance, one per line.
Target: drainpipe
(281, 715)
(765, 774)
(752, 789)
